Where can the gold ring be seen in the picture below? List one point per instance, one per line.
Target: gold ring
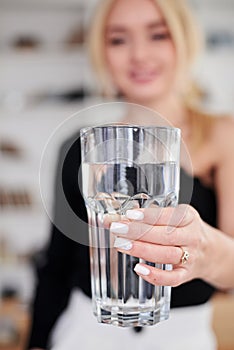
(185, 256)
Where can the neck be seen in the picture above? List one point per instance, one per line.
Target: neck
(171, 112)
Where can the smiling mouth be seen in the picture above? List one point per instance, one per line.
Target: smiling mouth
(143, 76)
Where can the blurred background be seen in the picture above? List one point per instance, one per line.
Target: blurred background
(45, 77)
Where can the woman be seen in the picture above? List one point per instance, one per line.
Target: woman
(144, 52)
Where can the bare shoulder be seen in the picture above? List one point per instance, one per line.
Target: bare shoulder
(222, 136)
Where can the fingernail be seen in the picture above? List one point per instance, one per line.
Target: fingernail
(135, 214)
(142, 270)
(118, 227)
(123, 243)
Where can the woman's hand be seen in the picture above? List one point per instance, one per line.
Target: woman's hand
(174, 236)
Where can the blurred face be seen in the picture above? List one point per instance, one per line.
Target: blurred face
(140, 54)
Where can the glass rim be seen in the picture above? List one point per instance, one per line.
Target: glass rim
(129, 126)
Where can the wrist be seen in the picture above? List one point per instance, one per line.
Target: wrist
(218, 258)
(208, 250)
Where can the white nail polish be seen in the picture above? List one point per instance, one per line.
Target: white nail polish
(122, 243)
(142, 270)
(118, 227)
(135, 214)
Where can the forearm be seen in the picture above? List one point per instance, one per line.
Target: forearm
(219, 255)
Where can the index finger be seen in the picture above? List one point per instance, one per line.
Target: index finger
(179, 216)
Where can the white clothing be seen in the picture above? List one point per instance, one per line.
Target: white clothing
(187, 328)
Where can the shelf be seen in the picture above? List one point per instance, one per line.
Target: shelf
(42, 4)
(48, 53)
(43, 71)
(14, 310)
(212, 4)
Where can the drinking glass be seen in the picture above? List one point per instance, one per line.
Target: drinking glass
(126, 167)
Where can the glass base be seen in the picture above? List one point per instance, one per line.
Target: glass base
(130, 318)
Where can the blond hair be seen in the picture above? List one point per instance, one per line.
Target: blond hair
(187, 40)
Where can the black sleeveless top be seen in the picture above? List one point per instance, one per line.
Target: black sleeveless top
(65, 263)
(203, 199)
